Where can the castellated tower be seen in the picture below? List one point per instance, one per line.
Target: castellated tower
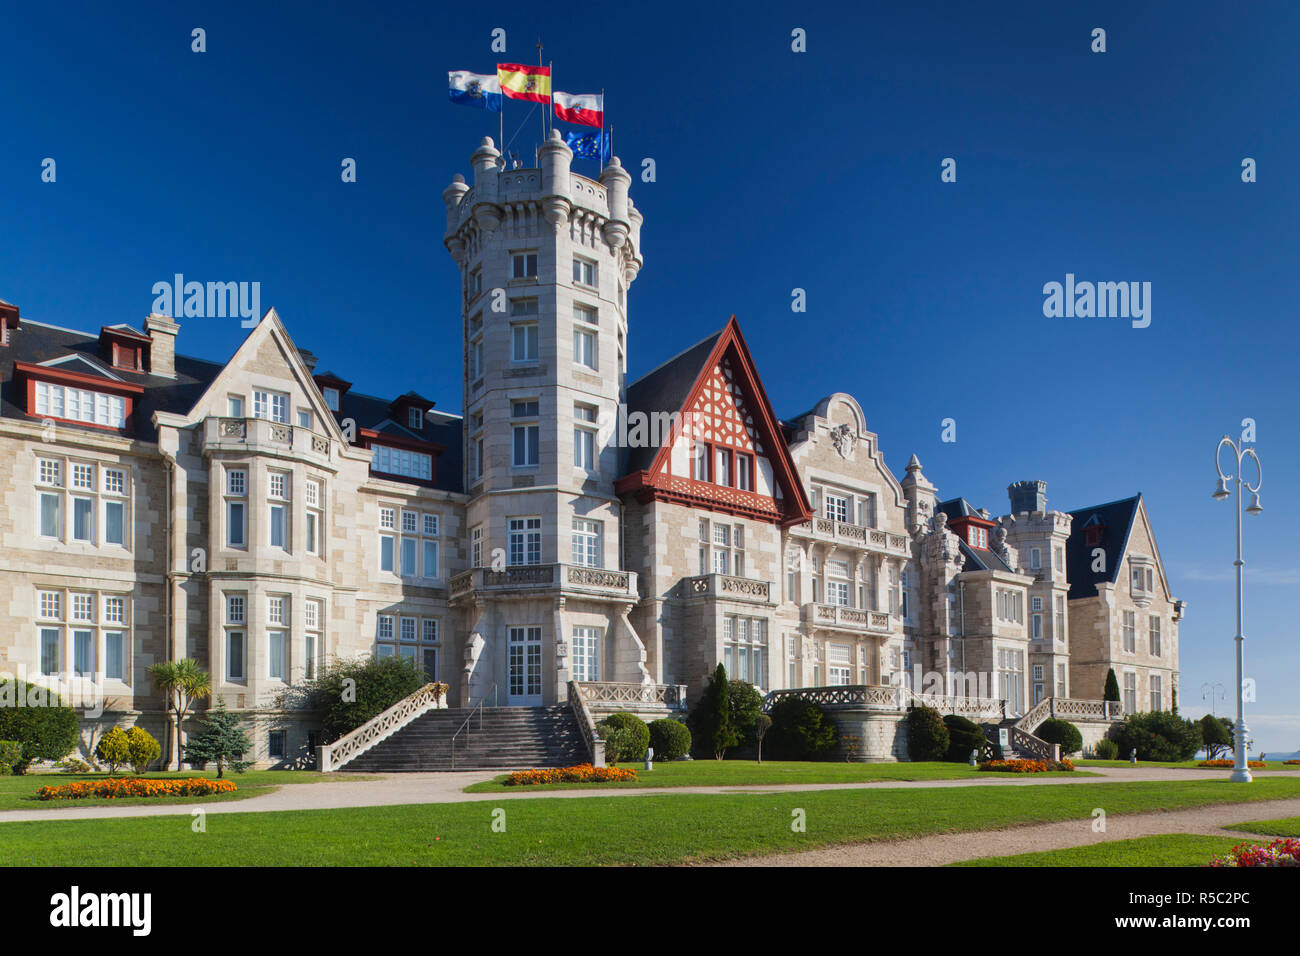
(546, 259)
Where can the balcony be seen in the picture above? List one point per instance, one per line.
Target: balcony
(845, 618)
(727, 587)
(257, 434)
(852, 535)
(572, 579)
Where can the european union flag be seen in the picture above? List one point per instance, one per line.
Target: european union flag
(584, 145)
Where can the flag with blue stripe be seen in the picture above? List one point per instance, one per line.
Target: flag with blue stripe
(474, 89)
(584, 145)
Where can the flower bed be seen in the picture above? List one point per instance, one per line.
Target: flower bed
(1283, 852)
(116, 788)
(583, 773)
(1026, 766)
(1291, 762)
(1229, 763)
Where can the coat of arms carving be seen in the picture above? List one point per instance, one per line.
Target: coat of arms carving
(844, 440)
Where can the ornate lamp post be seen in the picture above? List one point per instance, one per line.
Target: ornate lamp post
(1209, 687)
(1240, 770)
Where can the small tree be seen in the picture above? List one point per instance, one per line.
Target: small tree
(114, 749)
(616, 738)
(221, 741)
(142, 749)
(182, 683)
(800, 731)
(1112, 686)
(713, 730)
(746, 705)
(1216, 735)
(669, 738)
(1158, 735)
(761, 727)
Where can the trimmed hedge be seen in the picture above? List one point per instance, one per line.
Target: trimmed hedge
(963, 737)
(1158, 735)
(1062, 732)
(927, 736)
(669, 738)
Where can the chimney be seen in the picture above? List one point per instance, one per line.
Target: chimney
(1027, 496)
(162, 353)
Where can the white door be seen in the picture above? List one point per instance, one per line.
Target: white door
(524, 656)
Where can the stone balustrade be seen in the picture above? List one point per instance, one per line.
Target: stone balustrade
(572, 578)
(844, 532)
(334, 755)
(729, 587)
(845, 618)
(251, 434)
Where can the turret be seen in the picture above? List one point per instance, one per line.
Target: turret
(1027, 496)
(452, 197)
(554, 158)
(921, 496)
(616, 181)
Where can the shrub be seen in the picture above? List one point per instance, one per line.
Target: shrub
(142, 749)
(927, 737)
(38, 720)
(1061, 732)
(635, 739)
(1158, 735)
(800, 731)
(73, 765)
(1106, 749)
(669, 738)
(378, 683)
(712, 729)
(114, 749)
(11, 751)
(963, 737)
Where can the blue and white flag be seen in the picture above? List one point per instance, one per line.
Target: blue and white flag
(584, 144)
(474, 89)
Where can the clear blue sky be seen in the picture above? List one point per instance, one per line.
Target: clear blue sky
(776, 170)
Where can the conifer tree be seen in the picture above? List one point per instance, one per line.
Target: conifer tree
(221, 741)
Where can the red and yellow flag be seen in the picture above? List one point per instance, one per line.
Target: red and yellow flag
(520, 82)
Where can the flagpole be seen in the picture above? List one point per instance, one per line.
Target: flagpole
(600, 141)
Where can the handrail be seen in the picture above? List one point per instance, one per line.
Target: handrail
(478, 708)
(587, 724)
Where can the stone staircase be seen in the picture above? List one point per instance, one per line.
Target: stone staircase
(509, 738)
(1010, 752)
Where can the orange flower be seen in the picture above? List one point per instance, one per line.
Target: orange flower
(114, 788)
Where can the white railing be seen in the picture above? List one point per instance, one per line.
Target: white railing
(870, 696)
(991, 708)
(335, 755)
(672, 696)
(1025, 742)
(1067, 708)
(587, 724)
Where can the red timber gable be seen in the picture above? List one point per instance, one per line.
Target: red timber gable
(732, 440)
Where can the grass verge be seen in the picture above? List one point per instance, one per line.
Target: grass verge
(1170, 849)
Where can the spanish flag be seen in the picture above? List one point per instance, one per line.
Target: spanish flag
(520, 82)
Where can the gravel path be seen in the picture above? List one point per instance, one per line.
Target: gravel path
(954, 847)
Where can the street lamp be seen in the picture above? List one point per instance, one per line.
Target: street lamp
(1240, 770)
(1209, 687)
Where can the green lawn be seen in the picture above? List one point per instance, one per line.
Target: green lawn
(19, 793)
(1172, 849)
(733, 773)
(1286, 827)
(655, 829)
(1181, 764)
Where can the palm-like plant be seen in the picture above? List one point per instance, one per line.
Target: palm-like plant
(182, 683)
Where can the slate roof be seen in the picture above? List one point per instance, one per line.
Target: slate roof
(1117, 517)
(959, 508)
(980, 559)
(664, 389)
(36, 342)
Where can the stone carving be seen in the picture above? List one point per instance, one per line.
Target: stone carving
(844, 440)
(1000, 548)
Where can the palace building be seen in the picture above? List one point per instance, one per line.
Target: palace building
(260, 516)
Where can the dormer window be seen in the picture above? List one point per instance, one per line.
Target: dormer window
(126, 357)
(331, 399)
(979, 538)
(415, 418)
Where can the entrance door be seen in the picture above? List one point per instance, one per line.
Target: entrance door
(524, 655)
